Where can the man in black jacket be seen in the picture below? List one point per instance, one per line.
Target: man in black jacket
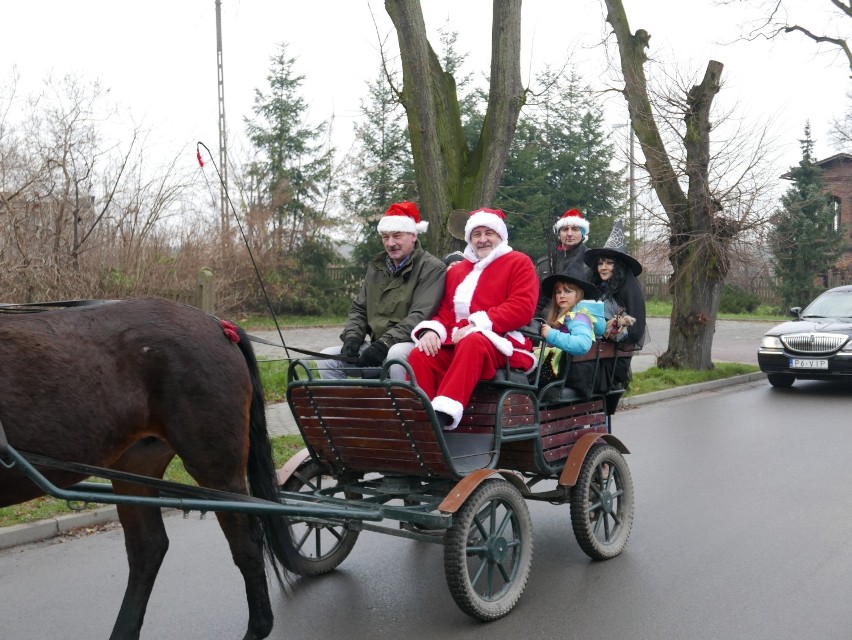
(572, 229)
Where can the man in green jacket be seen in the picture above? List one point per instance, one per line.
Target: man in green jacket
(403, 287)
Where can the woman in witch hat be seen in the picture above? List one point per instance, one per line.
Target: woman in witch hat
(615, 272)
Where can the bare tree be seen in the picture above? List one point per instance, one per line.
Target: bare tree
(450, 175)
(707, 203)
(841, 128)
(825, 22)
(780, 17)
(73, 209)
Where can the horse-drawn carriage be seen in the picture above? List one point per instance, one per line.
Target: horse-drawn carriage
(377, 442)
(160, 379)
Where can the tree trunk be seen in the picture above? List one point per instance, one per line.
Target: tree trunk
(700, 239)
(449, 175)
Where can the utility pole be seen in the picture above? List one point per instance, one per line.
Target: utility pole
(223, 141)
(631, 185)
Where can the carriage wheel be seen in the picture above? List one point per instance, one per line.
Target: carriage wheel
(319, 547)
(488, 551)
(602, 503)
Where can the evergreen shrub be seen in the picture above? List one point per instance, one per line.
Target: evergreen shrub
(735, 299)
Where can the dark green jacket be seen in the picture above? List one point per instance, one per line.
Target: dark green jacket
(390, 306)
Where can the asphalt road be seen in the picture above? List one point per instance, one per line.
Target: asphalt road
(741, 531)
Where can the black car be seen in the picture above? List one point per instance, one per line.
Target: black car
(817, 345)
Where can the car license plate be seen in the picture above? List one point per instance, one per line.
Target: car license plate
(808, 363)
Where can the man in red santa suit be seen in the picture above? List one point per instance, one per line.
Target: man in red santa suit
(488, 296)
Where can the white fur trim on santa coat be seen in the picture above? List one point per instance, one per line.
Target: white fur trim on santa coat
(433, 325)
(452, 408)
(500, 343)
(481, 320)
(464, 292)
(496, 252)
(464, 295)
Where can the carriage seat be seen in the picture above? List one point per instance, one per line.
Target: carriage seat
(519, 376)
(514, 376)
(558, 393)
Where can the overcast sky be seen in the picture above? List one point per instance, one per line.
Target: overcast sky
(158, 58)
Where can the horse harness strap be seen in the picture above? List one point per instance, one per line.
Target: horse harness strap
(36, 307)
(316, 354)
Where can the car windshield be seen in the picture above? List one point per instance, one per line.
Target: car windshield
(831, 304)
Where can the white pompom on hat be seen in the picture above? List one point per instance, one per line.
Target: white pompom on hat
(491, 218)
(573, 218)
(402, 217)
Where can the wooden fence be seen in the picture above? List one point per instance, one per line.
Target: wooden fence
(656, 285)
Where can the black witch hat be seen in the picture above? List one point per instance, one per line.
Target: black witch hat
(590, 291)
(614, 248)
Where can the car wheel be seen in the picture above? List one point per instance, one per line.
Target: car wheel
(781, 380)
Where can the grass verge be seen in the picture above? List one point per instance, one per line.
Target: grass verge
(656, 379)
(273, 377)
(764, 313)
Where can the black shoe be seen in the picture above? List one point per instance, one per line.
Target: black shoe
(445, 420)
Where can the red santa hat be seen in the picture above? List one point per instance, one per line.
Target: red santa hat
(573, 218)
(402, 217)
(491, 218)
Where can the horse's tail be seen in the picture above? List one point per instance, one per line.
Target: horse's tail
(277, 539)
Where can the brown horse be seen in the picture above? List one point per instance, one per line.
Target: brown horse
(126, 386)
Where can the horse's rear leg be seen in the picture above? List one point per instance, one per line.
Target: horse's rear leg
(145, 538)
(245, 539)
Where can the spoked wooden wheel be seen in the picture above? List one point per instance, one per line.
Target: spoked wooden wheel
(602, 503)
(319, 546)
(488, 551)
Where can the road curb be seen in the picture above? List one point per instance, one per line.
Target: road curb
(690, 389)
(51, 527)
(44, 529)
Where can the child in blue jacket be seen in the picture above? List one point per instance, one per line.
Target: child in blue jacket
(571, 319)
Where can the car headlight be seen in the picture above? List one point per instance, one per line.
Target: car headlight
(771, 342)
(847, 348)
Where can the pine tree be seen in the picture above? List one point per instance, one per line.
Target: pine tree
(804, 241)
(382, 167)
(291, 177)
(561, 158)
(288, 187)
(382, 171)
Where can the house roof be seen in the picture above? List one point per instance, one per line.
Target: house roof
(826, 163)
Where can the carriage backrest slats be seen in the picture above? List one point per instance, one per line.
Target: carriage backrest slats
(369, 428)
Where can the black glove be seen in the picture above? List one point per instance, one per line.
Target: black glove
(374, 355)
(350, 348)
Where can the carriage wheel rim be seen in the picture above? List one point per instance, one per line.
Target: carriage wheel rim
(498, 557)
